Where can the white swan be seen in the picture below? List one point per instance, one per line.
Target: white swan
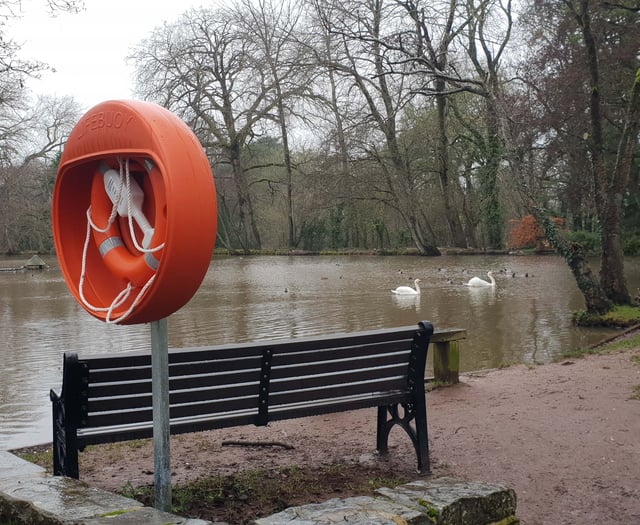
(407, 290)
(476, 282)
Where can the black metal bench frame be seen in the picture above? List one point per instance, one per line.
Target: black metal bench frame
(107, 398)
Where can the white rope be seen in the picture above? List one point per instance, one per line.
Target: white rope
(122, 297)
(119, 299)
(112, 215)
(136, 301)
(127, 178)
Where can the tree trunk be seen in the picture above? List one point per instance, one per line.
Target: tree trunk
(453, 220)
(613, 280)
(288, 168)
(248, 234)
(609, 187)
(573, 253)
(491, 208)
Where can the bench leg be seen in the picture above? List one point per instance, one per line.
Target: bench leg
(404, 415)
(382, 434)
(422, 438)
(65, 446)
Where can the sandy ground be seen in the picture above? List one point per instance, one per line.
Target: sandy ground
(564, 436)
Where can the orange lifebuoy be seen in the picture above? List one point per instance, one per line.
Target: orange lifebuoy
(126, 279)
(116, 245)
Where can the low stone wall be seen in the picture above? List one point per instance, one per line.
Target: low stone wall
(30, 496)
(442, 501)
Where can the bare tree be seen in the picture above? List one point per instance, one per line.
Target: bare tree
(273, 29)
(31, 136)
(25, 200)
(27, 176)
(203, 68)
(48, 126)
(336, 116)
(13, 69)
(418, 41)
(433, 30)
(358, 54)
(489, 30)
(15, 103)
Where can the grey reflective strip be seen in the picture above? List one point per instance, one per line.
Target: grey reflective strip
(151, 261)
(109, 244)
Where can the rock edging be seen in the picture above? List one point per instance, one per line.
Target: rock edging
(442, 501)
(28, 495)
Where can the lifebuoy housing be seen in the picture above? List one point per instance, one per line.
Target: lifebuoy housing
(134, 212)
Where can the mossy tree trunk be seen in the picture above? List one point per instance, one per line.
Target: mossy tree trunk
(573, 253)
(610, 183)
(614, 282)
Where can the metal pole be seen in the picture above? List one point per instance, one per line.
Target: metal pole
(161, 432)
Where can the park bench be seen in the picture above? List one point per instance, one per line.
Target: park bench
(107, 398)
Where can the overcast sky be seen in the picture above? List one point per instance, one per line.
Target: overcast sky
(88, 49)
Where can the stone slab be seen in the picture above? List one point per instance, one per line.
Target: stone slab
(145, 516)
(448, 501)
(63, 497)
(29, 495)
(13, 467)
(361, 510)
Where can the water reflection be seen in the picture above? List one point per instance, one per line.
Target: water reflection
(527, 317)
(407, 302)
(481, 297)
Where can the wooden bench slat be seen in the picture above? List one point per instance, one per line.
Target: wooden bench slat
(122, 384)
(370, 351)
(125, 388)
(235, 351)
(117, 424)
(125, 395)
(145, 413)
(298, 363)
(118, 433)
(296, 410)
(323, 367)
(335, 391)
(124, 402)
(108, 375)
(375, 378)
(239, 350)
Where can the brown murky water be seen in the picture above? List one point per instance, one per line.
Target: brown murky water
(527, 317)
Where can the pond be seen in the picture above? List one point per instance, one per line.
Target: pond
(526, 318)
